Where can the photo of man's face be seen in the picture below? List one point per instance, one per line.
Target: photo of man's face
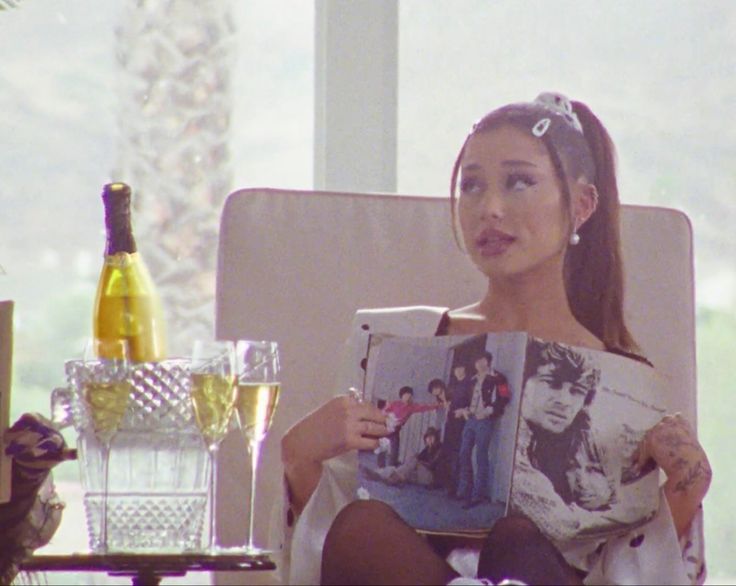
(588, 482)
(550, 403)
(437, 391)
(482, 366)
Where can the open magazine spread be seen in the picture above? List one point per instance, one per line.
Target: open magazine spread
(6, 352)
(486, 425)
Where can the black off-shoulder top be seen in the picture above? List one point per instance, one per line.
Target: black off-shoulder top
(444, 325)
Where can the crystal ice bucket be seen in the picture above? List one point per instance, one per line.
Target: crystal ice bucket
(157, 470)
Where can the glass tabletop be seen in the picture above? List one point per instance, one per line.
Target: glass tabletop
(148, 568)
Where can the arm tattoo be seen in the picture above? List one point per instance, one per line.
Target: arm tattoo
(676, 440)
(680, 464)
(695, 474)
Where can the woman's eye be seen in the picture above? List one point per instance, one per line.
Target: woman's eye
(519, 181)
(470, 186)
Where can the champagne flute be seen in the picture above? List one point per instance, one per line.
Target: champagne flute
(213, 377)
(256, 398)
(106, 395)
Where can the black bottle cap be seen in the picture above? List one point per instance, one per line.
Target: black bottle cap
(116, 198)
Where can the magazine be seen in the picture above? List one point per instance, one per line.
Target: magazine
(483, 426)
(6, 354)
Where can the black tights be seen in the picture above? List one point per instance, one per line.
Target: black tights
(369, 543)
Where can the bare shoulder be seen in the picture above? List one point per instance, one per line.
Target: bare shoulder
(471, 320)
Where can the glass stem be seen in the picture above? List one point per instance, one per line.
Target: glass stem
(105, 487)
(255, 450)
(214, 449)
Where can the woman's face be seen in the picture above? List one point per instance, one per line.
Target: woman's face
(551, 408)
(510, 207)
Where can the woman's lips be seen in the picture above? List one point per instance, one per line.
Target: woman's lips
(493, 242)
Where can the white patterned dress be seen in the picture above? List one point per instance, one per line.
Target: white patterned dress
(651, 554)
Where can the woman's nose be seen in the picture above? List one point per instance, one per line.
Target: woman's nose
(492, 204)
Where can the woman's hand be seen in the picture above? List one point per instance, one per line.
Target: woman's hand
(673, 446)
(338, 426)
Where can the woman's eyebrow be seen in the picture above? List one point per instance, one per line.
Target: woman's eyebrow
(506, 163)
(517, 163)
(470, 167)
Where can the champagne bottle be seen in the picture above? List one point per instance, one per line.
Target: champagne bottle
(127, 305)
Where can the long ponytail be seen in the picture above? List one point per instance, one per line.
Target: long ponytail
(594, 276)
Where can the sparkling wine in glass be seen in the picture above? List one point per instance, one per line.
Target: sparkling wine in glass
(106, 396)
(256, 398)
(213, 377)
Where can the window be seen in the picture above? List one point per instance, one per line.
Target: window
(58, 115)
(660, 75)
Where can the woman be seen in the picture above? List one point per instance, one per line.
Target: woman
(538, 215)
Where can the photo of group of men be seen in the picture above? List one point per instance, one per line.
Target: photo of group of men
(492, 420)
(458, 414)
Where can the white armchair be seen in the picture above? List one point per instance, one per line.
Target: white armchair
(294, 266)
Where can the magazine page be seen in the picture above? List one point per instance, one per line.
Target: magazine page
(583, 414)
(6, 354)
(453, 404)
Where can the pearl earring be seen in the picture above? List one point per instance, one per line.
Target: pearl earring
(574, 239)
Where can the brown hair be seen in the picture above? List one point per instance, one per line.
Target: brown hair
(567, 364)
(593, 270)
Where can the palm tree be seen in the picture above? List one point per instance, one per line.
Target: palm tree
(174, 91)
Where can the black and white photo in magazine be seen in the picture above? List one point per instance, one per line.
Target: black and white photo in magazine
(574, 402)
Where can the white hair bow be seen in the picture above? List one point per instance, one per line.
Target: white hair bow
(560, 105)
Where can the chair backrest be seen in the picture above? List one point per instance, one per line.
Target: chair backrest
(294, 266)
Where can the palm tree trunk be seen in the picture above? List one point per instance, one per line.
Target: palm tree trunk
(174, 89)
